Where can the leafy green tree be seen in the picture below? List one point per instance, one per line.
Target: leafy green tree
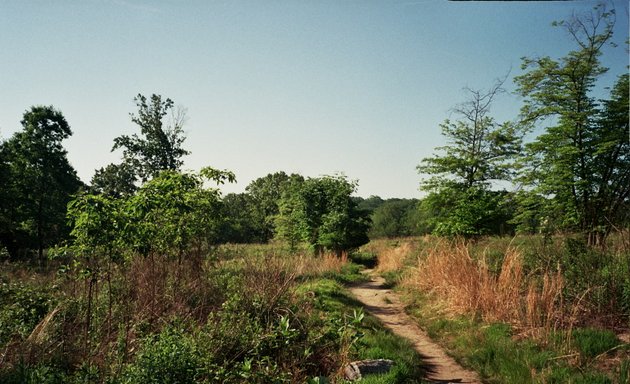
(40, 180)
(322, 213)
(168, 215)
(116, 180)
(395, 218)
(579, 165)
(157, 148)
(173, 211)
(479, 152)
(241, 224)
(370, 204)
(472, 212)
(265, 194)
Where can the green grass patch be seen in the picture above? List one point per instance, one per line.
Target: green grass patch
(500, 356)
(592, 342)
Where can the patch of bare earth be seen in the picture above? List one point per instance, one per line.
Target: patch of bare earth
(386, 306)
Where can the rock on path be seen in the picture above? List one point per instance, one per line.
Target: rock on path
(386, 306)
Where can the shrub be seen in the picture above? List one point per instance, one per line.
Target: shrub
(21, 308)
(170, 357)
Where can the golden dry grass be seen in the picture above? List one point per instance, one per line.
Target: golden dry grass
(533, 304)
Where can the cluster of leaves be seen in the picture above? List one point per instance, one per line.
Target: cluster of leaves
(158, 148)
(21, 308)
(166, 215)
(393, 217)
(321, 213)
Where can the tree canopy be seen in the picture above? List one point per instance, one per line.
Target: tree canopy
(479, 151)
(579, 167)
(321, 213)
(157, 148)
(39, 180)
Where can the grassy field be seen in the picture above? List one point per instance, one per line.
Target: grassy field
(522, 310)
(241, 314)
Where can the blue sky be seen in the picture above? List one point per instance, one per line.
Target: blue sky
(313, 87)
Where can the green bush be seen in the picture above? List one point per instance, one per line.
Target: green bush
(170, 357)
(22, 307)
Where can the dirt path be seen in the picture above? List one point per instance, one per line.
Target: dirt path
(386, 306)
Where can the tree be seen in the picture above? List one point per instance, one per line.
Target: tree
(370, 204)
(115, 180)
(479, 152)
(265, 193)
(241, 223)
(395, 218)
(158, 148)
(322, 213)
(41, 181)
(168, 215)
(579, 165)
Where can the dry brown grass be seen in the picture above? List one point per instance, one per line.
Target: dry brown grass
(392, 259)
(533, 304)
(392, 254)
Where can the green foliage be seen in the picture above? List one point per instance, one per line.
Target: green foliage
(321, 213)
(579, 166)
(602, 277)
(592, 342)
(480, 152)
(22, 307)
(395, 218)
(265, 194)
(39, 182)
(158, 147)
(170, 357)
(471, 212)
(116, 180)
(167, 215)
(241, 224)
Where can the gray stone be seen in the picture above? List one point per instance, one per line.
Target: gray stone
(355, 370)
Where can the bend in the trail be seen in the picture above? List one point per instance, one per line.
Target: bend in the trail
(386, 306)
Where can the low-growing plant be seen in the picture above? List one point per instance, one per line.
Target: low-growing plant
(591, 342)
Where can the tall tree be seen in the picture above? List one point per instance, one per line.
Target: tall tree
(157, 148)
(322, 213)
(265, 193)
(41, 180)
(579, 165)
(395, 218)
(115, 180)
(479, 151)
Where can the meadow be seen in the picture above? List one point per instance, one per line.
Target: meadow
(519, 310)
(240, 314)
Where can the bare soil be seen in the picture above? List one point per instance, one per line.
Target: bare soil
(386, 306)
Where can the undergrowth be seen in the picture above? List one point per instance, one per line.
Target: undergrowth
(520, 310)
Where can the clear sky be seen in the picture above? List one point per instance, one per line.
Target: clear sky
(313, 87)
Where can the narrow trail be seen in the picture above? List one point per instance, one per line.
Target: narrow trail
(387, 307)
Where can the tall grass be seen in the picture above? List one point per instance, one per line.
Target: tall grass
(242, 310)
(467, 285)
